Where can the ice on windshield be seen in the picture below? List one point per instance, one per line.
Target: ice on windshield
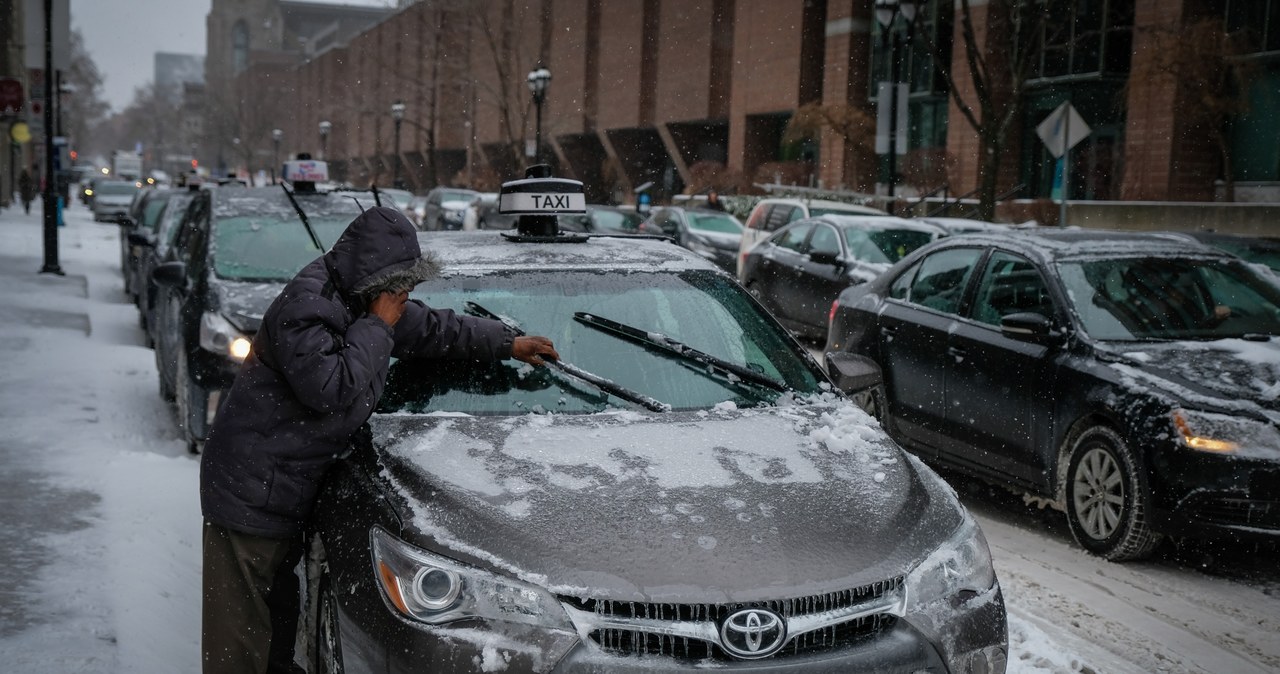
(269, 248)
(700, 309)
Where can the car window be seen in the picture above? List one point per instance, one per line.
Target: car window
(701, 309)
(884, 245)
(173, 212)
(1010, 284)
(714, 222)
(901, 287)
(792, 238)
(940, 282)
(1134, 299)
(779, 216)
(825, 239)
(151, 212)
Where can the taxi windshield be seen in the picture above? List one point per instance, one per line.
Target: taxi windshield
(269, 247)
(700, 309)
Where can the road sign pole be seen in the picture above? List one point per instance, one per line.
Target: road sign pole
(51, 265)
(1066, 166)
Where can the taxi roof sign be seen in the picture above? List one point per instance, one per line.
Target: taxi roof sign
(542, 196)
(306, 170)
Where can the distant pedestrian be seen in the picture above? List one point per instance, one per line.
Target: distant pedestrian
(26, 189)
(713, 201)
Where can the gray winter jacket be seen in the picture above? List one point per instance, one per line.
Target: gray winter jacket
(317, 368)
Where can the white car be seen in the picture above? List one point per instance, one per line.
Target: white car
(770, 215)
(111, 199)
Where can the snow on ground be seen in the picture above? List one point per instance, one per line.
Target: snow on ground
(100, 521)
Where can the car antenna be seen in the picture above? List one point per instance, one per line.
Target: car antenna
(358, 204)
(302, 214)
(377, 198)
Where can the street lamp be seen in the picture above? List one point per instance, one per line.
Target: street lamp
(538, 80)
(887, 12)
(276, 135)
(325, 127)
(397, 113)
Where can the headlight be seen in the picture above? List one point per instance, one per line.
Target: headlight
(432, 589)
(1224, 433)
(219, 336)
(956, 571)
(88, 193)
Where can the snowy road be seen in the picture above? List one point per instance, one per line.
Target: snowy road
(99, 526)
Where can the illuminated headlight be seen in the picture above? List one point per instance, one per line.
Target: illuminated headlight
(957, 571)
(1224, 433)
(426, 587)
(88, 192)
(219, 336)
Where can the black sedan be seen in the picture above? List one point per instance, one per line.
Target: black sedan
(142, 220)
(233, 252)
(1131, 380)
(800, 270)
(684, 491)
(712, 234)
(153, 248)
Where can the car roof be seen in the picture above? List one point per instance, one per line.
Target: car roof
(823, 203)
(484, 251)
(233, 201)
(877, 222)
(1051, 244)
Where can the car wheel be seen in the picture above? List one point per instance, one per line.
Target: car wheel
(190, 402)
(1106, 505)
(328, 642)
(872, 401)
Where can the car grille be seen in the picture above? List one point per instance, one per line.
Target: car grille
(690, 631)
(1242, 512)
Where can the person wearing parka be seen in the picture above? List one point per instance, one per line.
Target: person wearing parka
(314, 375)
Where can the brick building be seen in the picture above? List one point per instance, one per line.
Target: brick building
(686, 93)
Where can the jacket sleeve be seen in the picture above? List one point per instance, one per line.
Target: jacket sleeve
(423, 332)
(327, 367)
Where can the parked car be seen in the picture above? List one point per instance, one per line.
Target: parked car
(1255, 250)
(417, 210)
(715, 235)
(111, 199)
(799, 271)
(400, 199)
(483, 213)
(446, 208)
(729, 514)
(153, 248)
(603, 219)
(770, 215)
(233, 252)
(142, 220)
(1127, 379)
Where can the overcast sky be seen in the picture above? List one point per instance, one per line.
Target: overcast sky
(123, 36)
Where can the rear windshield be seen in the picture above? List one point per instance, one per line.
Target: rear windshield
(701, 309)
(884, 245)
(714, 222)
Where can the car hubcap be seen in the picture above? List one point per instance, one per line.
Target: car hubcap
(1098, 493)
(867, 401)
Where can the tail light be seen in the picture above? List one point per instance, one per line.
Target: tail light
(831, 315)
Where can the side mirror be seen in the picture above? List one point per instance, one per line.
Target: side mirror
(852, 372)
(825, 257)
(1027, 326)
(171, 274)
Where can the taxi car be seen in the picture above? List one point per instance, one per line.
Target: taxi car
(685, 489)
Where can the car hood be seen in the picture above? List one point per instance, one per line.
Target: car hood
(244, 303)
(684, 507)
(1226, 374)
(455, 205)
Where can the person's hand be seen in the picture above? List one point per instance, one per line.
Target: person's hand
(389, 306)
(532, 350)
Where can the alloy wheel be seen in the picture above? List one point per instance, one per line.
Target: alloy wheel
(1099, 493)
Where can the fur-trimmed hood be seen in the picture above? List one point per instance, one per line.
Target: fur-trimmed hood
(378, 251)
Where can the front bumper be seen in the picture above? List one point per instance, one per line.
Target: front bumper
(1205, 495)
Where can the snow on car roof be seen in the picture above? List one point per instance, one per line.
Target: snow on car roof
(1071, 243)
(485, 251)
(825, 204)
(880, 222)
(272, 201)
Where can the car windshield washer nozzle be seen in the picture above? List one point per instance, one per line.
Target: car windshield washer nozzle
(539, 200)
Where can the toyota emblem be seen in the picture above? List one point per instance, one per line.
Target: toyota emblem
(753, 633)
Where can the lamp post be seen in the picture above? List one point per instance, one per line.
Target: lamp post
(325, 127)
(397, 113)
(276, 135)
(887, 12)
(538, 80)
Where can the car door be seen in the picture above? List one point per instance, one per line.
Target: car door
(819, 281)
(774, 276)
(998, 388)
(913, 340)
(172, 298)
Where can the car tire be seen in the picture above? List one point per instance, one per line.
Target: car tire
(328, 641)
(1105, 501)
(871, 401)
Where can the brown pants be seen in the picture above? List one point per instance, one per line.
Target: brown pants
(251, 602)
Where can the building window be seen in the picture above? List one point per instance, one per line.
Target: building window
(931, 34)
(239, 46)
(1255, 133)
(1085, 38)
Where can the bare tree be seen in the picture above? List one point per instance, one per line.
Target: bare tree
(510, 54)
(83, 107)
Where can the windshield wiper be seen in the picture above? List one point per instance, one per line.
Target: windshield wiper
(664, 344)
(303, 216)
(576, 372)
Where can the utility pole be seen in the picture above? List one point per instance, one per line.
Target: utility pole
(51, 265)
